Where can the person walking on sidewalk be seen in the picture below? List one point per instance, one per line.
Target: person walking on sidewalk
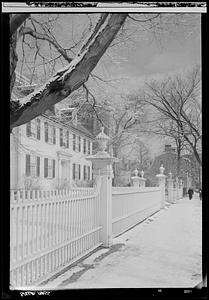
(190, 192)
(200, 194)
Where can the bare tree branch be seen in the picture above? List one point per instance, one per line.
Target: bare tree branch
(144, 20)
(175, 98)
(36, 35)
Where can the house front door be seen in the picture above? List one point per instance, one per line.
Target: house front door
(65, 171)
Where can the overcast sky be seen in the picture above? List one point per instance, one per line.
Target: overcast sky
(146, 57)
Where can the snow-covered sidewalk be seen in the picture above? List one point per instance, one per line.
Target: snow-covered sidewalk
(163, 251)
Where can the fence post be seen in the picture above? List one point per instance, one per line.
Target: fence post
(181, 188)
(142, 180)
(135, 179)
(174, 192)
(102, 166)
(170, 188)
(161, 184)
(177, 188)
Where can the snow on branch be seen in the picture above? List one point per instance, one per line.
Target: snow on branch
(69, 78)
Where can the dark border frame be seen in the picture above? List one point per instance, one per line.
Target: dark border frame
(160, 293)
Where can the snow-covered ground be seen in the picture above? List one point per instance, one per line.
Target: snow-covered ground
(163, 251)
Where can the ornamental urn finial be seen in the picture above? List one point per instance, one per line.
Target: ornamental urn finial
(162, 169)
(102, 140)
(136, 172)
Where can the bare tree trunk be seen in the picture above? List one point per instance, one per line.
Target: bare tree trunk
(69, 78)
(13, 59)
(178, 161)
(16, 21)
(196, 154)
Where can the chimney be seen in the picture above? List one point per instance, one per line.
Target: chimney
(168, 148)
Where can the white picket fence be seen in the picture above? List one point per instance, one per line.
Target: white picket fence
(51, 229)
(133, 205)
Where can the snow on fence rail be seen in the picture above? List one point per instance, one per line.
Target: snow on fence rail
(133, 205)
(50, 229)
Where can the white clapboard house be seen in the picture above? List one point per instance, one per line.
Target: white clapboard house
(50, 151)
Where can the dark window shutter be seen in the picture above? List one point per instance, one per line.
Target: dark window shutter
(79, 144)
(46, 130)
(54, 135)
(73, 171)
(61, 137)
(45, 167)
(74, 137)
(67, 133)
(84, 146)
(27, 169)
(84, 172)
(79, 172)
(38, 129)
(37, 166)
(89, 147)
(53, 174)
(28, 129)
(88, 173)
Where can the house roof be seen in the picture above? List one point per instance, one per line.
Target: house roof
(23, 85)
(78, 127)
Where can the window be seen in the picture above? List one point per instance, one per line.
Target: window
(49, 168)
(64, 138)
(86, 173)
(33, 129)
(76, 171)
(84, 146)
(89, 147)
(49, 133)
(32, 165)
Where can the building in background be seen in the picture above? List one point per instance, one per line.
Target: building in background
(190, 171)
(50, 151)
